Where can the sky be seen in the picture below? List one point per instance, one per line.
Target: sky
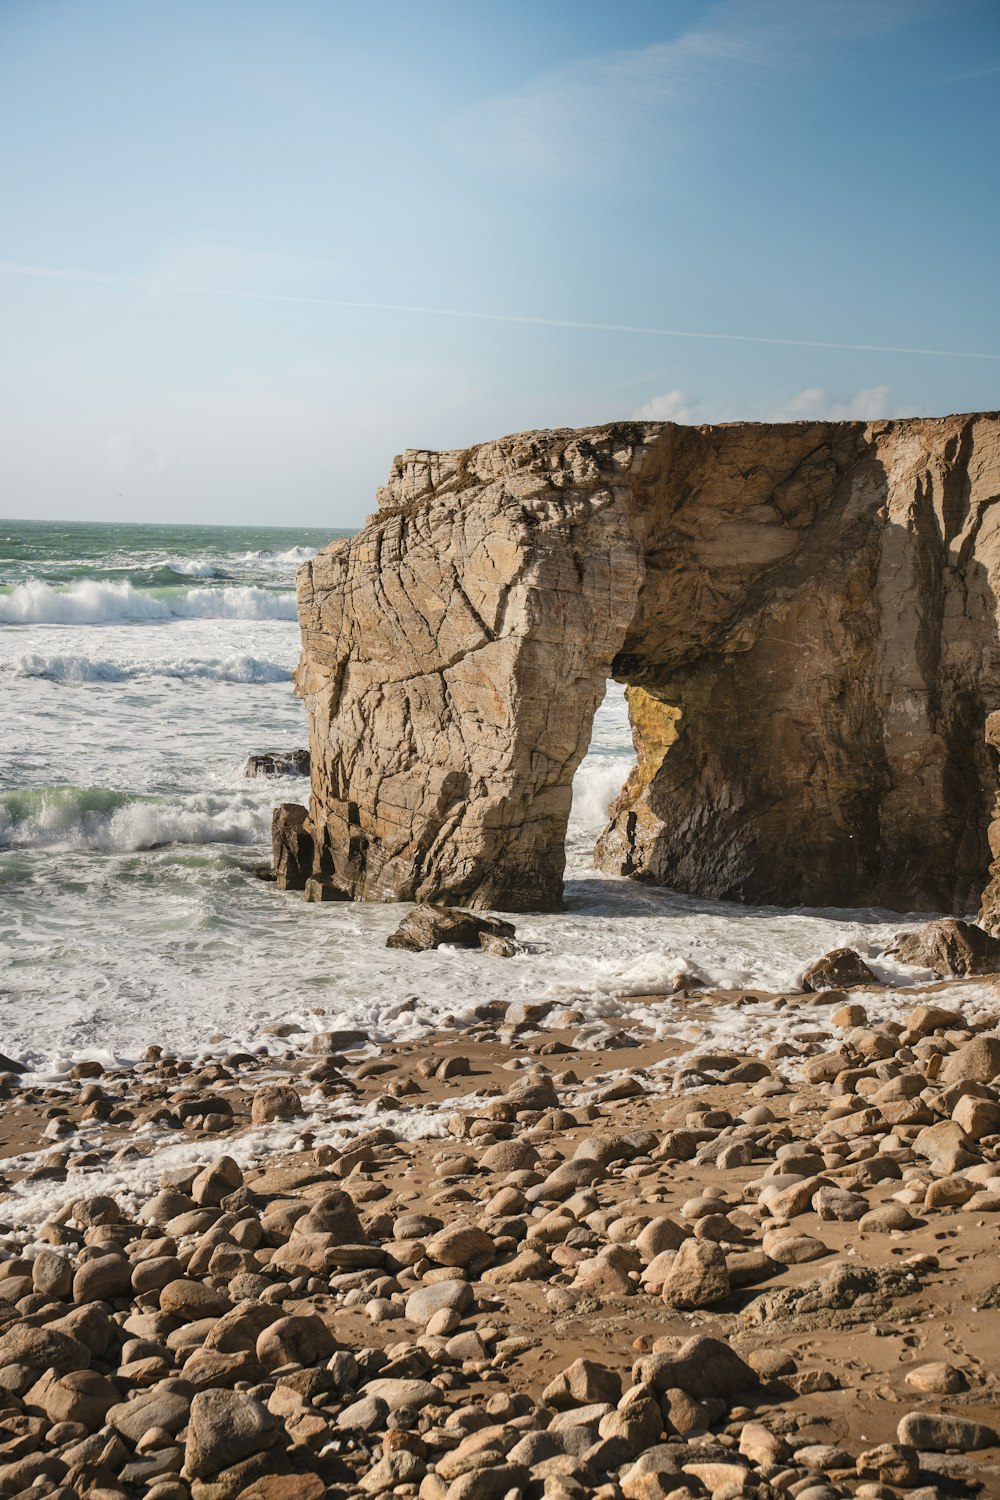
(249, 251)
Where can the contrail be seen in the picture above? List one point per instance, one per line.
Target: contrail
(13, 268)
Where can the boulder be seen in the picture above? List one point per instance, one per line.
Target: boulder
(838, 970)
(938, 1432)
(428, 926)
(698, 1276)
(275, 1101)
(224, 1428)
(977, 1061)
(949, 946)
(292, 846)
(701, 1367)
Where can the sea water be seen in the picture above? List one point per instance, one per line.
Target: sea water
(139, 667)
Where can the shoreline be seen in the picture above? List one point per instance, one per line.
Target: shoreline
(551, 1181)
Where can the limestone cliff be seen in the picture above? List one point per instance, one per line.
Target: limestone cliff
(806, 612)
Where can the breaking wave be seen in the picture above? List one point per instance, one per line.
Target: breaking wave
(72, 817)
(69, 668)
(90, 602)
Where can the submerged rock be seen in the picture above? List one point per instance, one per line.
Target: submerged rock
(278, 763)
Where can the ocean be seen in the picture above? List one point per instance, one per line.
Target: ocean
(139, 667)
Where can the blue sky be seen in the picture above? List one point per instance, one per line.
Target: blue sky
(249, 251)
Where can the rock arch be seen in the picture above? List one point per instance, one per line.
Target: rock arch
(806, 614)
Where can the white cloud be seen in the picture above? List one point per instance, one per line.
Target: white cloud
(126, 455)
(672, 406)
(813, 404)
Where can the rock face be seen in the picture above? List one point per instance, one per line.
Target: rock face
(806, 617)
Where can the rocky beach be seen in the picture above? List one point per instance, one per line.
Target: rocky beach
(500, 750)
(527, 1256)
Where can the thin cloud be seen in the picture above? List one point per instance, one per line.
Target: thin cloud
(566, 119)
(15, 268)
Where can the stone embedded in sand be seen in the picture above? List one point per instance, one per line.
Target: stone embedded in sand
(887, 1218)
(427, 1300)
(581, 1383)
(839, 969)
(936, 1379)
(275, 1102)
(428, 926)
(836, 1203)
(939, 1432)
(698, 1277)
(701, 1367)
(890, 1463)
(460, 1245)
(761, 1446)
(949, 946)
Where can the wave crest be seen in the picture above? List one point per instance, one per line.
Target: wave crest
(71, 817)
(90, 602)
(250, 670)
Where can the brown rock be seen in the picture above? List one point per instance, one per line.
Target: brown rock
(839, 969)
(102, 1279)
(701, 1367)
(292, 845)
(698, 1277)
(496, 589)
(938, 1432)
(275, 1102)
(935, 1379)
(460, 1245)
(224, 1428)
(890, 1463)
(949, 946)
(302, 1339)
(582, 1383)
(188, 1300)
(977, 1061)
(428, 926)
